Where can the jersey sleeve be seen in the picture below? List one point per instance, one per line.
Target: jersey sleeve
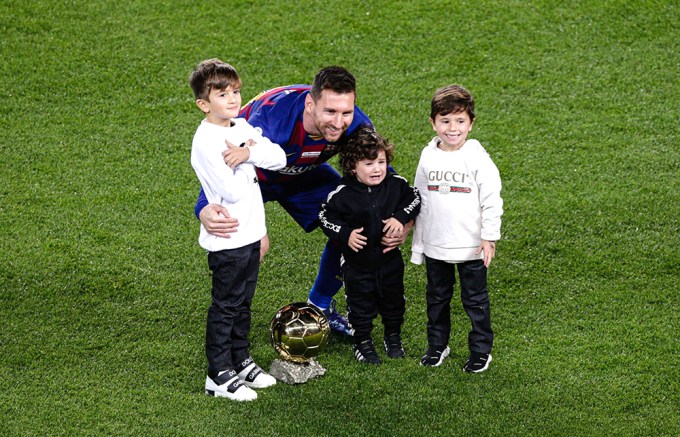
(275, 113)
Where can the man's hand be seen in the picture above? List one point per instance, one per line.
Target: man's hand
(264, 246)
(216, 220)
(235, 155)
(393, 228)
(390, 242)
(489, 249)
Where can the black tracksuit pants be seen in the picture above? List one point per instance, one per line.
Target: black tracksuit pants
(234, 277)
(379, 291)
(441, 277)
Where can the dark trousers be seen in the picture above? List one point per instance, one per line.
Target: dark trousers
(474, 295)
(370, 293)
(234, 276)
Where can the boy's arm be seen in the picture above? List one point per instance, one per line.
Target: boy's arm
(331, 223)
(265, 154)
(491, 203)
(417, 247)
(409, 206)
(214, 217)
(253, 148)
(212, 172)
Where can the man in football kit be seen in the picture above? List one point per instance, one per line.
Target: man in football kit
(309, 123)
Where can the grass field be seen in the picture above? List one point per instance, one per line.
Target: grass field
(104, 289)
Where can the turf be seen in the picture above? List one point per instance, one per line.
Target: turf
(104, 289)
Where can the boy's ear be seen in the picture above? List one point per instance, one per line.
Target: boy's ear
(202, 105)
(432, 123)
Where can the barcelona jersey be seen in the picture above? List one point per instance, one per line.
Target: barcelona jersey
(278, 113)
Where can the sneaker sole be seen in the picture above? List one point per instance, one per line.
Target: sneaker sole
(256, 384)
(486, 366)
(248, 395)
(445, 354)
(216, 394)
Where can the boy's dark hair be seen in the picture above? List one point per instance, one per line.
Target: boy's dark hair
(334, 78)
(364, 143)
(212, 74)
(452, 99)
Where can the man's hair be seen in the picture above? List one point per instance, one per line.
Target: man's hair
(212, 74)
(334, 78)
(364, 143)
(452, 99)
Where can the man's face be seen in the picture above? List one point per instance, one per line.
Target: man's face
(330, 116)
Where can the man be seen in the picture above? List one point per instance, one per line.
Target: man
(309, 123)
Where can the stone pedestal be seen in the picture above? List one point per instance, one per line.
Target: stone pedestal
(295, 373)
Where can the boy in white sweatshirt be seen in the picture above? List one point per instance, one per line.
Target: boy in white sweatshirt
(458, 226)
(221, 141)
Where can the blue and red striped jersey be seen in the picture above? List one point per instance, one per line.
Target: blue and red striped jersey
(278, 113)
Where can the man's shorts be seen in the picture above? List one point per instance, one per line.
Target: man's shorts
(302, 197)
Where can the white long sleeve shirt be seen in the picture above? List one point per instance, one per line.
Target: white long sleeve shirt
(461, 203)
(237, 189)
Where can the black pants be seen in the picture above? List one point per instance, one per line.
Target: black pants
(474, 295)
(234, 277)
(370, 293)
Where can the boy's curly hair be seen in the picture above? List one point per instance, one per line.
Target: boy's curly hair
(363, 143)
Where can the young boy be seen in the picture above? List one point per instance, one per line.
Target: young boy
(458, 226)
(234, 261)
(368, 203)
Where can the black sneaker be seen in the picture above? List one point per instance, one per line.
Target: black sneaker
(477, 362)
(393, 346)
(435, 356)
(366, 353)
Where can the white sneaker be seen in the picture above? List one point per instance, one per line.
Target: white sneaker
(253, 376)
(228, 385)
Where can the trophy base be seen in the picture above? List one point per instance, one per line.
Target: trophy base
(296, 373)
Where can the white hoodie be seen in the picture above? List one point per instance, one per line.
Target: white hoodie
(461, 203)
(237, 189)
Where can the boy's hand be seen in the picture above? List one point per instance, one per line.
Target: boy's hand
(390, 243)
(489, 249)
(356, 240)
(393, 228)
(235, 155)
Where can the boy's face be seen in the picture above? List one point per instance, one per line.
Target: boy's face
(452, 128)
(330, 115)
(372, 172)
(222, 106)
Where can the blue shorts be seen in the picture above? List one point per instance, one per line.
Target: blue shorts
(302, 197)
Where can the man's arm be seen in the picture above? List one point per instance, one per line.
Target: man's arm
(214, 217)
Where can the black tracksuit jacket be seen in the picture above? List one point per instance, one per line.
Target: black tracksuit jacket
(354, 205)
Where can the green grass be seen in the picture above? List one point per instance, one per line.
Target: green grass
(104, 289)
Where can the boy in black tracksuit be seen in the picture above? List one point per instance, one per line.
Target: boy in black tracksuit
(368, 203)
